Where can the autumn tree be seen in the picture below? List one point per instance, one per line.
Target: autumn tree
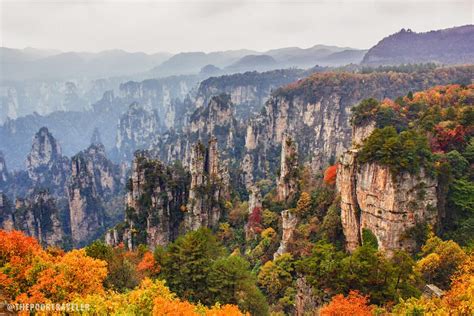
(303, 206)
(330, 175)
(440, 260)
(353, 304)
(276, 276)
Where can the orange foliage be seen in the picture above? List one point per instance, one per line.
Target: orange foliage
(30, 274)
(165, 307)
(460, 297)
(148, 264)
(330, 175)
(175, 307)
(353, 304)
(16, 244)
(226, 310)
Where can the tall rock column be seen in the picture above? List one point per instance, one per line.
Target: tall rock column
(94, 181)
(208, 187)
(287, 185)
(4, 176)
(156, 202)
(45, 164)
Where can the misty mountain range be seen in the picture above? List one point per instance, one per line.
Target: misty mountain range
(31, 63)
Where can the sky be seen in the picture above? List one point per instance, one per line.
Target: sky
(216, 25)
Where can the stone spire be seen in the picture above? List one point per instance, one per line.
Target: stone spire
(287, 182)
(44, 150)
(3, 170)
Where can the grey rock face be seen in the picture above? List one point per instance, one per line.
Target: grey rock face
(208, 187)
(137, 129)
(156, 203)
(4, 175)
(6, 213)
(95, 183)
(39, 215)
(45, 164)
(287, 185)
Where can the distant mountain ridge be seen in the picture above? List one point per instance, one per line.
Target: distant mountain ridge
(30, 63)
(245, 60)
(447, 46)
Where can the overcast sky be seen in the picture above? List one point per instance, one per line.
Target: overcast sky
(198, 25)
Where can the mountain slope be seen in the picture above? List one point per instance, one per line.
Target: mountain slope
(448, 46)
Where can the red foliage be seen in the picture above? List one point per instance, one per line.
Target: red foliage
(255, 220)
(446, 139)
(330, 175)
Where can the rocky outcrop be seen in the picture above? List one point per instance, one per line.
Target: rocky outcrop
(6, 213)
(215, 120)
(39, 215)
(209, 187)
(387, 205)
(248, 91)
(155, 206)
(4, 175)
(166, 96)
(289, 222)
(95, 182)
(316, 112)
(45, 164)
(287, 184)
(306, 302)
(137, 129)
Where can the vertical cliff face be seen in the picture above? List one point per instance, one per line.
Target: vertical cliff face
(45, 164)
(137, 129)
(155, 206)
(4, 176)
(287, 185)
(166, 96)
(372, 198)
(39, 215)
(217, 120)
(209, 187)
(6, 213)
(95, 181)
(248, 91)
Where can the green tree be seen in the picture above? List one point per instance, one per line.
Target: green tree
(231, 282)
(323, 269)
(188, 262)
(459, 164)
